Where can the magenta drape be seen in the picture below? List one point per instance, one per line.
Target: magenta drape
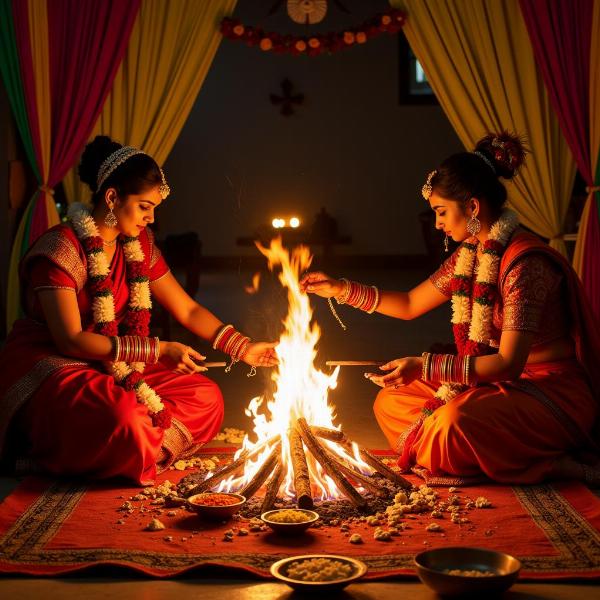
(69, 52)
(87, 41)
(21, 25)
(561, 33)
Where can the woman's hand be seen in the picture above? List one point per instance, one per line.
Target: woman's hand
(181, 358)
(261, 354)
(403, 372)
(321, 284)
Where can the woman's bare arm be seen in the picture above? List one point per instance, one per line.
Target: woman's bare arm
(410, 305)
(64, 321)
(194, 317)
(401, 305)
(509, 362)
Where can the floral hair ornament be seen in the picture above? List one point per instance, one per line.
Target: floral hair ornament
(120, 156)
(427, 189)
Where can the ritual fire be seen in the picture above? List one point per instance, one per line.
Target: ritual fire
(299, 451)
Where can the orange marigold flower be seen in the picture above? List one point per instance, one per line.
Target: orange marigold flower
(266, 44)
(361, 37)
(348, 37)
(300, 45)
(386, 19)
(314, 43)
(239, 30)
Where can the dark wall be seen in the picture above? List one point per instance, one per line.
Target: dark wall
(351, 147)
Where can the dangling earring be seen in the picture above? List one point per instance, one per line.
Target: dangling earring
(474, 225)
(110, 220)
(446, 243)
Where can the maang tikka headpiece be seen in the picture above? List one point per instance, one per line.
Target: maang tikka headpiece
(163, 189)
(427, 189)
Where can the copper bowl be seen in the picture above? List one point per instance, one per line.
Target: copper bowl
(433, 564)
(290, 528)
(216, 513)
(279, 570)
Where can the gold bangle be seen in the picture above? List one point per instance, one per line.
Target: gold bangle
(220, 334)
(156, 350)
(116, 347)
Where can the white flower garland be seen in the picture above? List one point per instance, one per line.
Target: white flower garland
(103, 307)
(480, 316)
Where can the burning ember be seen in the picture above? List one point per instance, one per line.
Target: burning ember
(299, 418)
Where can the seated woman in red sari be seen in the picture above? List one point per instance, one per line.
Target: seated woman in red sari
(516, 403)
(90, 392)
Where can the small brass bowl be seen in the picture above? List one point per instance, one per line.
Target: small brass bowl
(279, 570)
(290, 528)
(216, 513)
(433, 564)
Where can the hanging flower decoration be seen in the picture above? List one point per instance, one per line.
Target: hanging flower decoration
(390, 21)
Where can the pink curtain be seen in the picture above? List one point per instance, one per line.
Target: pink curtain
(87, 41)
(561, 36)
(561, 33)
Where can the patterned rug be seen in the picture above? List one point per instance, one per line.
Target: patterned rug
(50, 527)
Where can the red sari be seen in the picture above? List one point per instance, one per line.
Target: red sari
(70, 416)
(512, 431)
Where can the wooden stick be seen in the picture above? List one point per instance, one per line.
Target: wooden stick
(358, 477)
(354, 363)
(312, 443)
(236, 465)
(339, 437)
(304, 497)
(333, 435)
(273, 488)
(263, 472)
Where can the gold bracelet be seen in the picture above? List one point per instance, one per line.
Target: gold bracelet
(424, 358)
(343, 297)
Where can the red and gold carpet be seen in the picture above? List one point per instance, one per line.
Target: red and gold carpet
(51, 528)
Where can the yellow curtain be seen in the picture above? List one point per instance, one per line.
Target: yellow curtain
(590, 210)
(171, 49)
(478, 59)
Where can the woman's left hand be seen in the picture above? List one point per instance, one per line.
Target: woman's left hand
(403, 372)
(261, 354)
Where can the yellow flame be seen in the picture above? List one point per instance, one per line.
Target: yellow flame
(252, 289)
(301, 390)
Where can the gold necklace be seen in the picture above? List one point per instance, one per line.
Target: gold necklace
(110, 243)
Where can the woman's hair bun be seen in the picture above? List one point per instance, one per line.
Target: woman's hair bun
(95, 153)
(505, 150)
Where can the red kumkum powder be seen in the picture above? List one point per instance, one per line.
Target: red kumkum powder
(217, 500)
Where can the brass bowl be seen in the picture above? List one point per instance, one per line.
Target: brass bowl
(279, 570)
(216, 513)
(290, 528)
(432, 564)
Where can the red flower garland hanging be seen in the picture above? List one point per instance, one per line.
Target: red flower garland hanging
(390, 21)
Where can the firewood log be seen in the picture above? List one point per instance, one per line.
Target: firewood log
(231, 468)
(313, 444)
(304, 497)
(263, 472)
(339, 437)
(273, 488)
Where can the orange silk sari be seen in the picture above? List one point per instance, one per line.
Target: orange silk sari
(512, 431)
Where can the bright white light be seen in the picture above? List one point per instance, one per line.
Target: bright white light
(294, 222)
(278, 223)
